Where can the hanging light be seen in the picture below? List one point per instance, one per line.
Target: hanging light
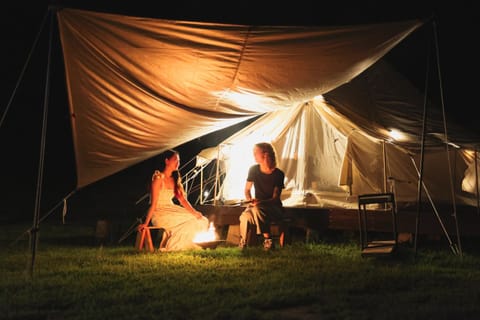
(397, 135)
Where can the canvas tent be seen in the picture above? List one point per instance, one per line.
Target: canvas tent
(134, 81)
(137, 86)
(337, 146)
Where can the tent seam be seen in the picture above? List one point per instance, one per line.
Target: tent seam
(237, 68)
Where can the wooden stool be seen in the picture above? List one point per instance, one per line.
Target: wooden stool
(281, 231)
(278, 232)
(144, 238)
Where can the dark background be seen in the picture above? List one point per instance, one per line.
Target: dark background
(25, 35)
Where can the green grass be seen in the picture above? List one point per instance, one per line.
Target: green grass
(75, 278)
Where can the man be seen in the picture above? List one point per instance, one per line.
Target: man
(266, 207)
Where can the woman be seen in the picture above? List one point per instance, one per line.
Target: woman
(266, 207)
(181, 222)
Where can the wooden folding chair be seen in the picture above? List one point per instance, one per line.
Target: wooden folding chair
(387, 201)
(144, 239)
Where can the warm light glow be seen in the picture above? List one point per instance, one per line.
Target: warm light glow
(238, 159)
(470, 153)
(247, 98)
(206, 236)
(454, 145)
(396, 135)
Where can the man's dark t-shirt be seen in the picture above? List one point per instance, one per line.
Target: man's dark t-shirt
(265, 183)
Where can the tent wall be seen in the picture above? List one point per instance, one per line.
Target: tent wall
(328, 161)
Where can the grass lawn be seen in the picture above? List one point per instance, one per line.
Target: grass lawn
(76, 278)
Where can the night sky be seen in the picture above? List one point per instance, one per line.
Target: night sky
(21, 25)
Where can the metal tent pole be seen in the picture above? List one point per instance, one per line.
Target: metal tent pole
(422, 153)
(217, 176)
(36, 216)
(454, 214)
(476, 180)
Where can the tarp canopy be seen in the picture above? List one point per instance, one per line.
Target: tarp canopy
(137, 86)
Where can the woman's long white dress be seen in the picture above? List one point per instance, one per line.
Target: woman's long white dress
(182, 225)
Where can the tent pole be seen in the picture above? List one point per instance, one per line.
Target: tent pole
(217, 176)
(36, 215)
(46, 215)
(420, 172)
(422, 153)
(201, 185)
(442, 225)
(23, 69)
(384, 167)
(476, 180)
(452, 189)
